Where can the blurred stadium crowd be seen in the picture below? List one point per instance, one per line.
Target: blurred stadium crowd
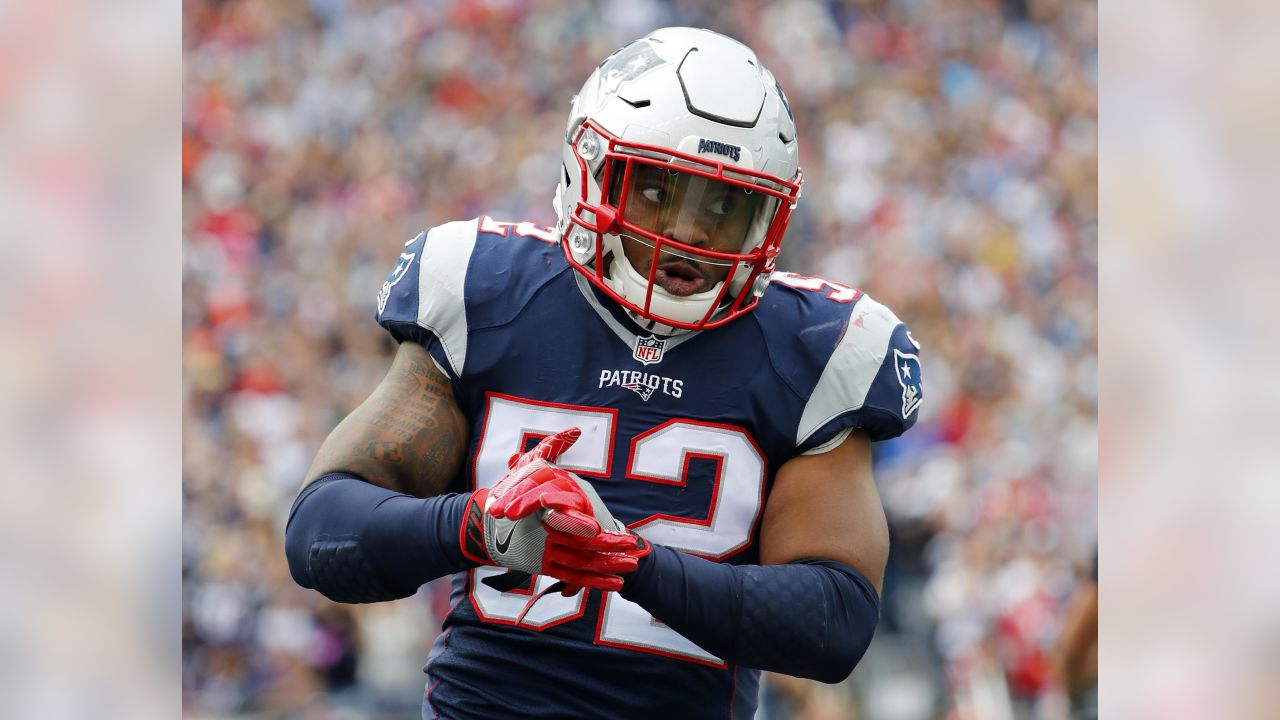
(949, 148)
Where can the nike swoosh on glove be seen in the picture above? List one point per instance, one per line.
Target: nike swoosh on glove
(575, 537)
(581, 551)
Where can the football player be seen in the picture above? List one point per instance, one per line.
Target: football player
(635, 408)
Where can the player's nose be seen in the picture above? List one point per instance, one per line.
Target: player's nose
(688, 231)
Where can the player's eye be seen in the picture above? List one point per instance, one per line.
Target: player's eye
(723, 206)
(653, 193)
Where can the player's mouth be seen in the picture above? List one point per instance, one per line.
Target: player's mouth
(681, 278)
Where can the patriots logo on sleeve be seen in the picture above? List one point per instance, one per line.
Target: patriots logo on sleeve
(908, 368)
(397, 273)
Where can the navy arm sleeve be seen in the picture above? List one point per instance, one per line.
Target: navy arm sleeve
(811, 618)
(356, 542)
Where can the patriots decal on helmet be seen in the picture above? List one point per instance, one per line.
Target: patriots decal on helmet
(628, 64)
(712, 146)
(908, 369)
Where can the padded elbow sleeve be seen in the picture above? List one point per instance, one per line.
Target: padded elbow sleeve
(818, 614)
(811, 618)
(357, 543)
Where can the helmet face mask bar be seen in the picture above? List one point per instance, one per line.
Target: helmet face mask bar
(761, 202)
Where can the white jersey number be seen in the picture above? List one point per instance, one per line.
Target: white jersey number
(509, 423)
(660, 455)
(835, 291)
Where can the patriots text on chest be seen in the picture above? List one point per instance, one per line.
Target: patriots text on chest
(641, 381)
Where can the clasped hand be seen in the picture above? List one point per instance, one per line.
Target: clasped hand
(542, 519)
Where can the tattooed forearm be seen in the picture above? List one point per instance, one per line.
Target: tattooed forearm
(409, 435)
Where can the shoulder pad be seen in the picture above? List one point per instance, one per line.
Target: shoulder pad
(422, 297)
(511, 262)
(804, 319)
(871, 380)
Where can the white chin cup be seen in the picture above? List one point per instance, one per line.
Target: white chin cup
(633, 286)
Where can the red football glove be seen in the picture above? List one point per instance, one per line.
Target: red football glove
(504, 526)
(577, 535)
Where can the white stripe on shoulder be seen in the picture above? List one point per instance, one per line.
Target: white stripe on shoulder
(442, 278)
(851, 368)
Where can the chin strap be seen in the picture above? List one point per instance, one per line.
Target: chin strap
(656, 327)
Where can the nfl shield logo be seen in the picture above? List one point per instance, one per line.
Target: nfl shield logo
(649, 349)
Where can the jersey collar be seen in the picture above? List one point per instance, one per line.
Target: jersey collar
(616, 319)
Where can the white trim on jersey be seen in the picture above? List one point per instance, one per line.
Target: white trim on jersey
(439, 367)
(829, 445)
(442, 277)
(851, 368)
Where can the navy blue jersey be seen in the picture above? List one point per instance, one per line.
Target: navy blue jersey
(681, 437)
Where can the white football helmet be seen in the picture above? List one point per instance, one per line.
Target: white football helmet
(683, 144)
